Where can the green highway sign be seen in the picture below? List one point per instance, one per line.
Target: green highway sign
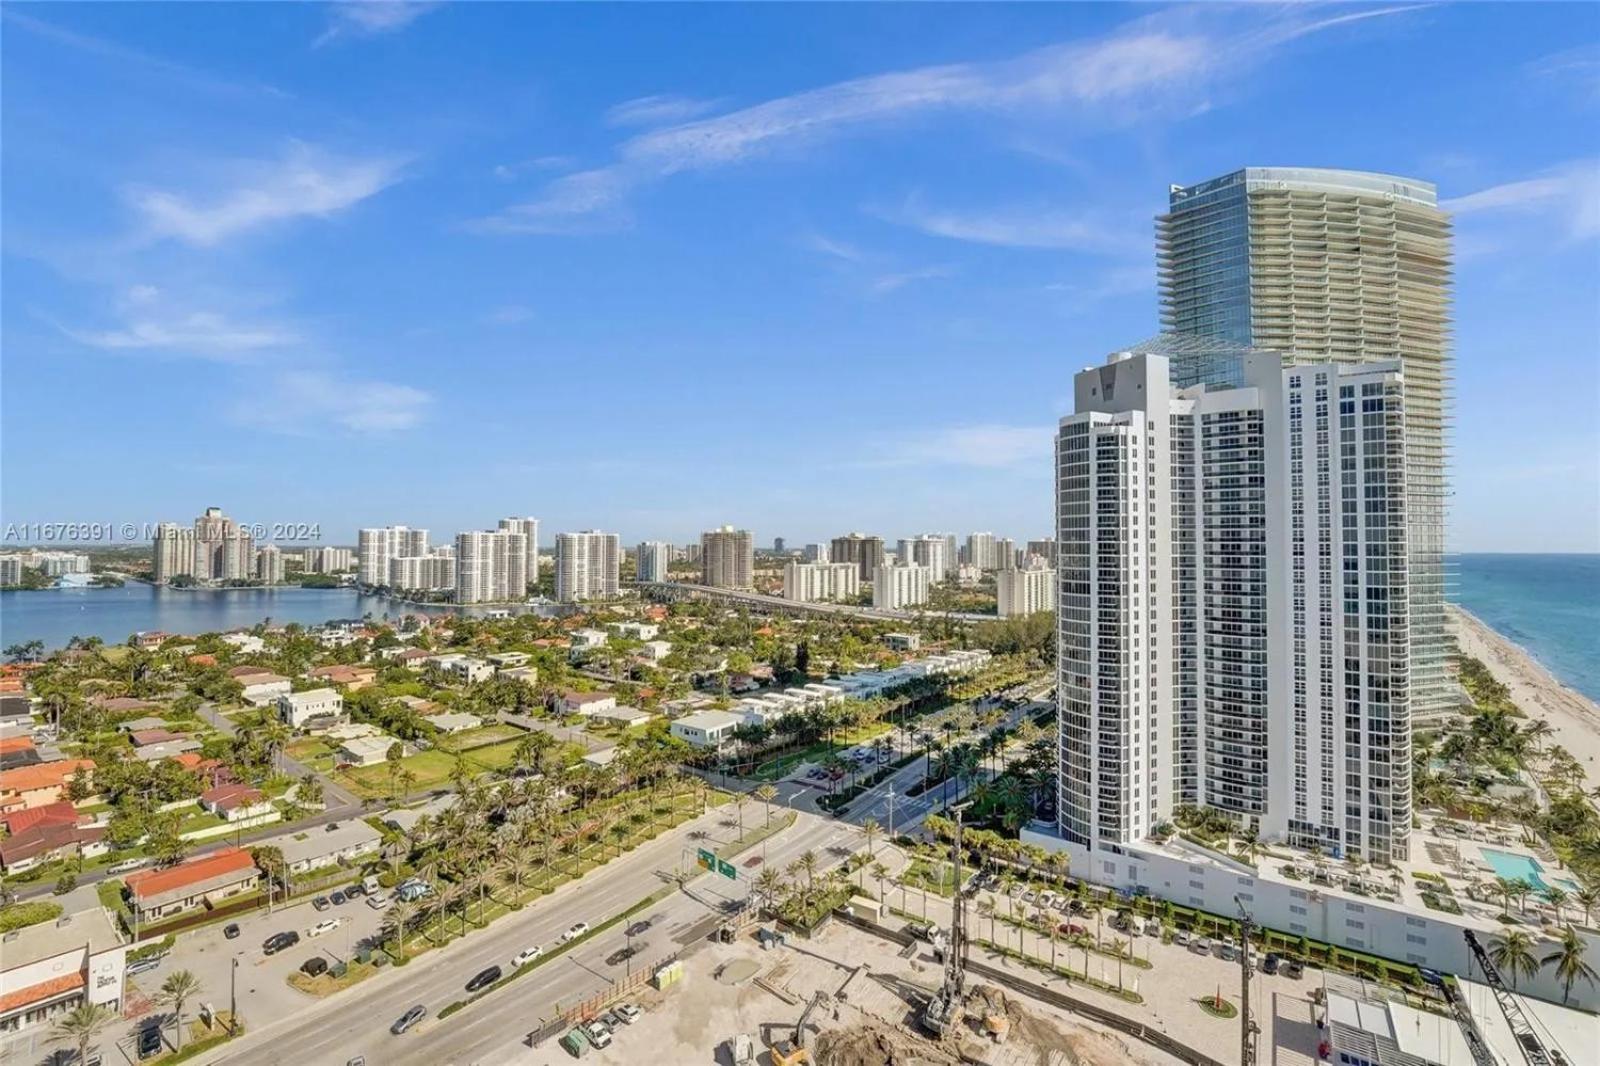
(706, 859)
(726, 870)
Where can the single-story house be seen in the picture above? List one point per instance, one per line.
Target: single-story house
(365, 751)
(707, 729)
(623, 716)
(655, 650)
(354, 678)
(167, 749)
(18, 751)
(412, 658)
(419, 705)
(528, 674)
(318, 707)
(39, 784)
(235, 803)
(122, 704)
(261, 687)
(587, 703)
(138, 725)
(248, 643)
(454, 723)
(603, 757)
(405, 818)
(351, 730)
(202, 881)
(329, 846)
(145, 737)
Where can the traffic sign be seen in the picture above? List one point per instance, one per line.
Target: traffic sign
(726, 870)
(706, 859)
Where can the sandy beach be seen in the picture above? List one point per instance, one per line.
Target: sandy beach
(1574, 718)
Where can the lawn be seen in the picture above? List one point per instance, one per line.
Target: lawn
(477, 738)
(431, 768)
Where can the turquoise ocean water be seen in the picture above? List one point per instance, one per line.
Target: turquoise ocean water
(1549, 604)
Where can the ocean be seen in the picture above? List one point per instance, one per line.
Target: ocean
(1549, 604)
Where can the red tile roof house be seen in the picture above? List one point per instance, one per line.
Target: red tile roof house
(122, 704)
(234, 803)
(37, 785)
(201, 882)
(50, 814)
(354, 678)
(48, 841)
(143, 738)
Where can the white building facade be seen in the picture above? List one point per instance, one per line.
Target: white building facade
(529, 528)
(376, 546)
(820, 582)
(1023, 592)
(491, 566)
(588, 565)
(898, 587)
(651, 560)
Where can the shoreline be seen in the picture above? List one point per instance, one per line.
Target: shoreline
(1573, 717)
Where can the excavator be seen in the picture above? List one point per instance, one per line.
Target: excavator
(793, 1052)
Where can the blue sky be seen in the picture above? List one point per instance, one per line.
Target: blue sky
(656, 268)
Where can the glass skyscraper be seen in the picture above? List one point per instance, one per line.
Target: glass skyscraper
(1334, 265)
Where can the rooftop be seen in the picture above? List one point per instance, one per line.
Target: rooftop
(316, 843)
(35, 942)
(148, 883)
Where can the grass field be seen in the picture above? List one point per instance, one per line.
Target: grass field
(430, 768)
(477, 738)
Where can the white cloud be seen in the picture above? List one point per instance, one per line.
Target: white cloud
(1570, 193)
(1578, 66)
(887, 283)
(309, 402)
(508, 171)
(988, 447)
(304, 183)
(657, 110)
(830, 246)
(586, 202)
(149, 322)
(369, 18)
(1020, 228)
(1163, 62)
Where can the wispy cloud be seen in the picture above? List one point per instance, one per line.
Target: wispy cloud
(369, 18)
(1570, 193)
(887, 283)
(508, 171)
(657, 110)
(990, 447)
(178, 73)
(1012, 227)
(589, 201)
(1106, 284)
(305, 182)
(1158, 63)
(310, 402)
(1578, 67)
(149, 321)
(830, 246)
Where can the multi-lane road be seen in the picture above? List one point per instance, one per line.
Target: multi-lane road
(356, 1022)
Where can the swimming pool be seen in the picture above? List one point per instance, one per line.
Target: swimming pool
(1512, 866)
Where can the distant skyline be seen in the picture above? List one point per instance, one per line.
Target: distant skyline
(600, 266)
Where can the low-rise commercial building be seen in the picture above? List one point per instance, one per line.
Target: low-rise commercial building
(50, 968)
(351, 842)
(207, 880)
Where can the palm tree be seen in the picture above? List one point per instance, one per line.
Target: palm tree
(1588, 898)
(1555, 897)
(1513, 954)
(739, 800)
(1569, 963)
(1506, 888)
(767, 884)
(766, 794)
(397, 922)
(880, 871)
(81, 1025)
(178, 989)
(870, 829)
(514, 868)
(986, 909)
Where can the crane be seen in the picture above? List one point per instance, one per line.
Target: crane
(945, 1006)
(1533, 1048)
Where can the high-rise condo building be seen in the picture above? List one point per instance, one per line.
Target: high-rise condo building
(529, 528)
(435, 572)
(778, 546)
(1024, 592)
(651, 560)
(223, 551)
(728, 558)
(375, 547)
(328, 560)
(815, 553)
(1005, 554)
(1334, 265)
(588, 565)
(1043, 549)
(269, 564)
(980, 550)
(811, 582)
(1232, 618)
(174, 552)
(896, 587)
(866, 552)
(491, 566)
(933, 551)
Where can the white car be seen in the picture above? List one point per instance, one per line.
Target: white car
(377, 903)
(629, 1013)
(598, 1034)
(525, 957)
(327, 925)
(577, 930)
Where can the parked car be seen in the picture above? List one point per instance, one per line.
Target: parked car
(321, 903)
(327, 925)
(353, 891)
(377, 903)
(526, 956)
(578, 929)
(231, 930)
(1075, 929)
(484, 978)
(1152, 927)
(1226, 951)
(597, 1033)
(1269, 965)
(1293, 969)
(1200, 945)
(408, 1019)
(610, 1020)
(146, 964)
(1180, 936)
(315, 966)
(278, 941)
(629, 1013)
(337, 899)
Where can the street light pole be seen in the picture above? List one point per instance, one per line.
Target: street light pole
(891, 810)
(233, 998)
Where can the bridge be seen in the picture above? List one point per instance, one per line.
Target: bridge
(761, 603)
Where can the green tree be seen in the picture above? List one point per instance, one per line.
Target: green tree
(178, 989)
(81, 1025)
(766, 794)
(1568, 961)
